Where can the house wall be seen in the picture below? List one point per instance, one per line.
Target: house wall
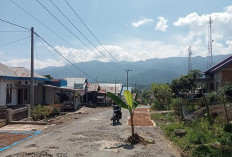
(217, 80)
(38, 97)
(50, 95)
(3, 91)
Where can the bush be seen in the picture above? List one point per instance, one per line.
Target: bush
(40, 112)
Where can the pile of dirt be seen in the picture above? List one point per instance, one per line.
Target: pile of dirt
(141, 118)
(7, 139)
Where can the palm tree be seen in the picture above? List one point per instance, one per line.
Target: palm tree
(131, 105)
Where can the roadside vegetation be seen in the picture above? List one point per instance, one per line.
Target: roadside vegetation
(41, 112)
(201, 126)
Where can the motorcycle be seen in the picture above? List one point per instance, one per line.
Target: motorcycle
(117, 114)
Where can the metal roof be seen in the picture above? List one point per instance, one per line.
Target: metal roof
(6, 71)
(77, 80)
(220, 65)
(92, 87)
(23, 72)
(108, 87)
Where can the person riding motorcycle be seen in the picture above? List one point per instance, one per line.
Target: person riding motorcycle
(117, 114)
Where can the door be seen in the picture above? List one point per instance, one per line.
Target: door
(20, 96)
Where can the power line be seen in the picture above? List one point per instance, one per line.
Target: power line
(12, 31)
(51, 30)
(68, 29)
(90, 30)
(65, 57)
(14, 24)
(41, 23)
(78, 30)
(4, 44)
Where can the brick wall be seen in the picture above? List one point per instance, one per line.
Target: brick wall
(226, 76)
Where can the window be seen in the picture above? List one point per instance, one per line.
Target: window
(8, 96)
(25, 94)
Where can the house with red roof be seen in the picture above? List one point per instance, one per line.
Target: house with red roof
(218, 75)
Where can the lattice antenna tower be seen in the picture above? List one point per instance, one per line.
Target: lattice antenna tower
(210, 44)
(189, 59)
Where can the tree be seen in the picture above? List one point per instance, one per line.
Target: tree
(131, 105)
(48, 76)
(162, 94)
(186, 83)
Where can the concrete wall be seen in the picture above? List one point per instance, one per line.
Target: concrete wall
(50, 95)
(217, 80)
(3, 91)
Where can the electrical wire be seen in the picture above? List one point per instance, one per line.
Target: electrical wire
(90, 31)
(4, 44)
(65, 57)
(78, 30)
(14, 24)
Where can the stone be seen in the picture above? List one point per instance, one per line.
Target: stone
(180, 132)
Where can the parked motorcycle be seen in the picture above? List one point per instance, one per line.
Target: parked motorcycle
(117, 114)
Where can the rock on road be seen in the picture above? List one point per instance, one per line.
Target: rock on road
(93, 136)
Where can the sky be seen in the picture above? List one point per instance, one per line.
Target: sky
(128, 30)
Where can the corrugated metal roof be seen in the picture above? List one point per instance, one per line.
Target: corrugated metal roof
(108, 87)
(92, 87)
(6, 71)
(23, 72)
(220, 65)
(77, 80)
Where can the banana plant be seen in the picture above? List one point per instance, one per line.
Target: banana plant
(130, 105)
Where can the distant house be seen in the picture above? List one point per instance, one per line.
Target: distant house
(15, 85)
(218, 75)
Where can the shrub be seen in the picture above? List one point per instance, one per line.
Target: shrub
(40, 112)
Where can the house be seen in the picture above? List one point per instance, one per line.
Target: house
(80, 86)
(15, 86)
(218, 75)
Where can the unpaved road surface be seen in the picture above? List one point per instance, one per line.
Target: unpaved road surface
(93, 136)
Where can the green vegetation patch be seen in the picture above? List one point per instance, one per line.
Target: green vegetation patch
(201, 139)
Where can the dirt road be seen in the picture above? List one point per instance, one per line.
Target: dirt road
(92, 135)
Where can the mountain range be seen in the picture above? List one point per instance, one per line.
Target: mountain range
(143, 72)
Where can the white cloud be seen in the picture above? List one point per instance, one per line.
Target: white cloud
(221, 26)
(15, 62)
(162, 24)
(141, 22)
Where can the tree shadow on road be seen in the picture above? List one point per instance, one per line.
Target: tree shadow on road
(125, 146)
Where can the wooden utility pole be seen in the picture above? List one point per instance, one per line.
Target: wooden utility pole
(32, 69)
(127, 70)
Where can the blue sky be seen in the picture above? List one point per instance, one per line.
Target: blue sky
(131, 30)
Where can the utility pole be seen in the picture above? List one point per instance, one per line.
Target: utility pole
(189, 59)
(115, 88)
(127, 70)
(32, 69)
(210, 44)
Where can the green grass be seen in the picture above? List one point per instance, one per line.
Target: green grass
(201, 139)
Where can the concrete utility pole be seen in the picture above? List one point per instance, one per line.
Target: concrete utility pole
(210, 44)
(32, 69)
(115, 88)
(127, 70)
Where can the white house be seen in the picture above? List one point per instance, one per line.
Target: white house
(15, 86)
